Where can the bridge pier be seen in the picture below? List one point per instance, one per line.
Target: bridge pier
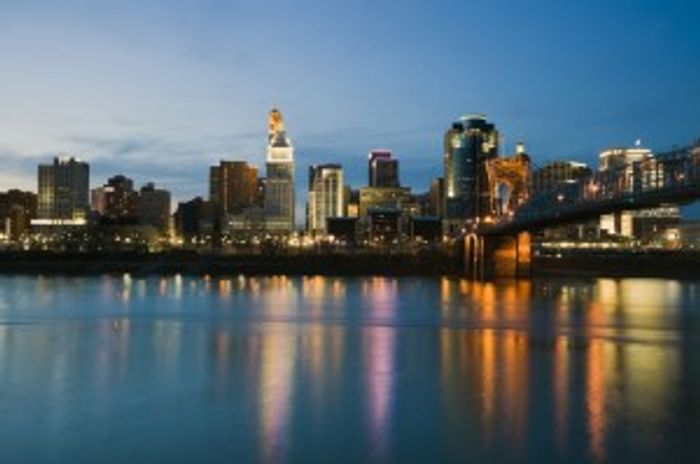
(488, 256)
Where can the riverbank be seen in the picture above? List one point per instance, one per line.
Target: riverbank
(620, 263)
(40, 262)
(588, 263)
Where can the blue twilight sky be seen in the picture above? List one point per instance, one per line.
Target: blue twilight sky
(159, 90)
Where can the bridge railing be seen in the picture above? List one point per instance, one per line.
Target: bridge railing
(663, 176)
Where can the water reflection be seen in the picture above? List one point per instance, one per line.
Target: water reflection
(268, 368)
(620, 337)
(560, 381)
(276, 385)
(379, 302)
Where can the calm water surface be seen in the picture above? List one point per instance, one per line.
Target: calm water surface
(178, 369)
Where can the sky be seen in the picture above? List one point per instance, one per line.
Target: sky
(159, 90)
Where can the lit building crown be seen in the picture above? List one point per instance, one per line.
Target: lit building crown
(275, 123)
(279, 147)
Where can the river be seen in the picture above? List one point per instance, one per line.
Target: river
(118, 369)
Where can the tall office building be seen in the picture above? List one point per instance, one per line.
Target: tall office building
(193, 220)
(64, 190)
(383, 198)
(116, 199)
(561, 175)
(641, 172)
(233, 186)
(326, 196)
(153, 207)
(352, 202)
(623, 158)
(383, 170)
(436, 203)
(279, 182)
(468, 144)
(556, 173)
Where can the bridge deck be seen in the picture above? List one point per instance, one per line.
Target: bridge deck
(670, 179)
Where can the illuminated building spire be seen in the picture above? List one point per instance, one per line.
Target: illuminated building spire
(275, 123)
(279, 183)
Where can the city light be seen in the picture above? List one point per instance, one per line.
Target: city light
(246, 214)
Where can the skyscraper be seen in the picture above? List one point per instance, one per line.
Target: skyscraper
(383, 170)
(153, 207)
(233, 186)
(279, 183)
(326, 196)
(64, 189)
(468, 144)
(116, 199)
(436, 195)
(193, 220)
(556, 173)
(641, 172)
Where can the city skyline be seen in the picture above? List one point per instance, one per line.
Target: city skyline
(300, 191)
(184, 99)
(368, 231)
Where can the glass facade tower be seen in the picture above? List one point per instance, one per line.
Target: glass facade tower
(468, 144)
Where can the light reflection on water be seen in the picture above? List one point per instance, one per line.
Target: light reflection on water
(317, 369)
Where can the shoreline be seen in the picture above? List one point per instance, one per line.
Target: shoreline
(650, 264)
(655, 264)
(192, 263)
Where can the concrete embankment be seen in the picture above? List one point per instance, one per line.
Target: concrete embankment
(38, 262)
(620, 263)
(660, 263)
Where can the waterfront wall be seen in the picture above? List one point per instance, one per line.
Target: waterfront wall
(620, 263)
(660, 263)
(37, 262)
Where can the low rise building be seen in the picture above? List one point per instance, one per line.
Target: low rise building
(17, 209)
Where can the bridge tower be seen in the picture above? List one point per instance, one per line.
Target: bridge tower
(492, 256)
(515, 175)
(508, 254)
